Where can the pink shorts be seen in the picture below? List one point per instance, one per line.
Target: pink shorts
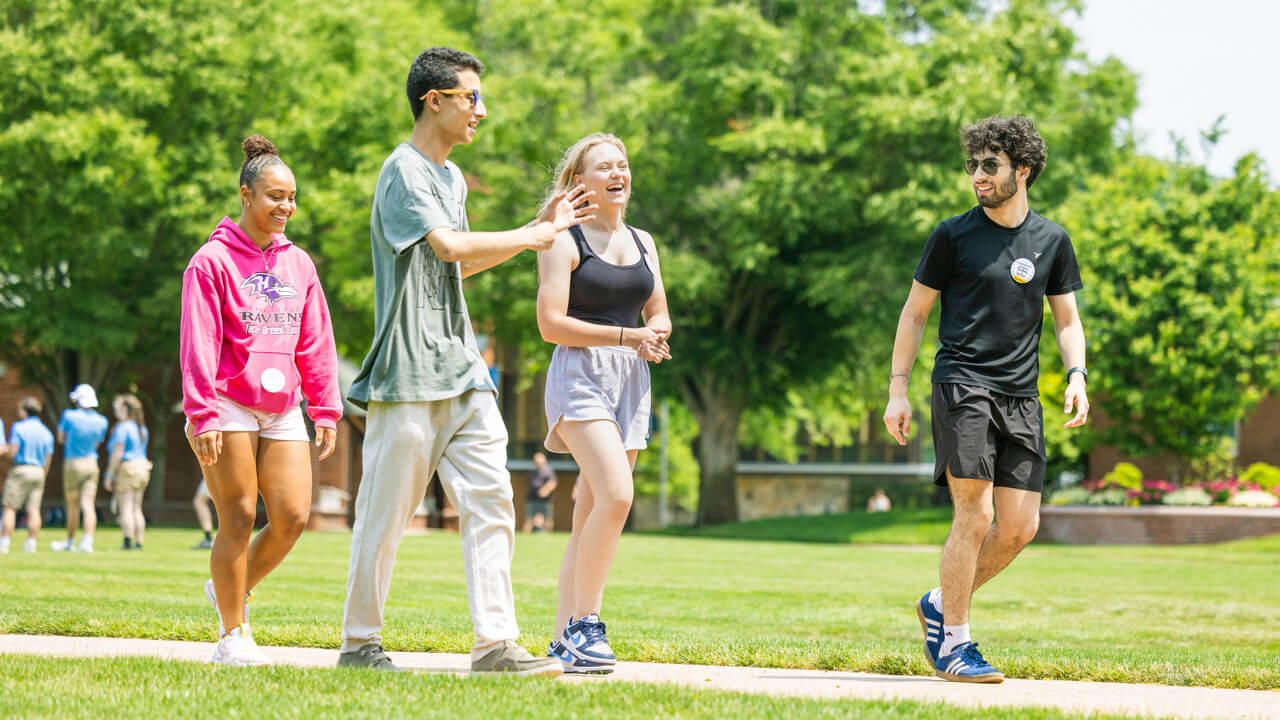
(234, 417)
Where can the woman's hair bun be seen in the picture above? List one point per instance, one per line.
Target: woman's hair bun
(256, 145)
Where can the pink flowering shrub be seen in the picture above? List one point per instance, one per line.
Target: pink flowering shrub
(1152, 492)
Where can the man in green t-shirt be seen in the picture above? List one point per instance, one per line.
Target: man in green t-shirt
(432, 407)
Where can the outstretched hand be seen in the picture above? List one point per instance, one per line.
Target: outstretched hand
(569, 208)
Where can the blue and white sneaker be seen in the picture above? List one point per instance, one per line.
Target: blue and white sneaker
(585, 639)
(574, 665)
(966, 664)
(931, 623)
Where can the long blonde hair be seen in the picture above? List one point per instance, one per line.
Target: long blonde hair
(133, 411)
(574, 161)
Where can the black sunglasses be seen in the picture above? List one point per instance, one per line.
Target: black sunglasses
(989, 165)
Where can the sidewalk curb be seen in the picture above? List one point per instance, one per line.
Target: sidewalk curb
(1081, 697)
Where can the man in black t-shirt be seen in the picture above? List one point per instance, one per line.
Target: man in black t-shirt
(993, 267)
(537, 504)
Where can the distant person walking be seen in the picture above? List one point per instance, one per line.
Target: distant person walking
(432, 403)
(993, 266)
(81, 430)
(595, 282)
(128, 469)
(537, 503)
(31, 445)
(201, 502)
(256, 337)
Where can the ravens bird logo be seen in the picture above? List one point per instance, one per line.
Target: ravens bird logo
(268, 286)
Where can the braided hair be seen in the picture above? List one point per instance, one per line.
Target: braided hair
(259, 154)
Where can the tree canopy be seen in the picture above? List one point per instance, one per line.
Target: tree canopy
(1182, 280)
(789, 157)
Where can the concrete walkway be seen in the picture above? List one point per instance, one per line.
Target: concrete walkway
(1082, 697)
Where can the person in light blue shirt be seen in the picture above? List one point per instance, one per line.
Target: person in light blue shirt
(80, 431)
(129, 470)
(31, 445)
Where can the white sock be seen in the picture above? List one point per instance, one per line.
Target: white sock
(953, 636)
(935, 598)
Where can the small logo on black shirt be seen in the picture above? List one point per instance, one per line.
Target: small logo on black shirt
(1022, 271)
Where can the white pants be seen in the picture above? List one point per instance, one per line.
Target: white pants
(464, 440)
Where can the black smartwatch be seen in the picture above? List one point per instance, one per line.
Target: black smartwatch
(1083, 371)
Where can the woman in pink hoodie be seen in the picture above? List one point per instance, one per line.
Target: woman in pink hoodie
(256, 337)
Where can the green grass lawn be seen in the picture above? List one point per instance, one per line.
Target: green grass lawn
(1194, 615)
(923, 526)
(152, 688)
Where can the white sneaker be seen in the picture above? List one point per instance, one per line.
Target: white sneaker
(4, 546)
(237, 648)
(86, 544)
(61, 545)
(30, 545)
(213, 600)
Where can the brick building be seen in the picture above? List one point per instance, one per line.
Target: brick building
(1257, 440)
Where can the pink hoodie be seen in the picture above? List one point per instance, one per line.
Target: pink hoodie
(255, 328)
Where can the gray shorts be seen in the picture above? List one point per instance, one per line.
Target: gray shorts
(598, 383)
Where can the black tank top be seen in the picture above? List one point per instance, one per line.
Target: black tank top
(604, 293)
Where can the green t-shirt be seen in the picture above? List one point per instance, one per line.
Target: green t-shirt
(423, 345)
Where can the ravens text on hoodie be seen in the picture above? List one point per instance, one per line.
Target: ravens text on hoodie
(256, 329)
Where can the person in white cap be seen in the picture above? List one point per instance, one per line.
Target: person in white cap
(80, 431)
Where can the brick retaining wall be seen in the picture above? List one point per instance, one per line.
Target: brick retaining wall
(1093, 525)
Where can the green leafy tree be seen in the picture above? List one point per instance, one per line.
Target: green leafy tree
(790, 158)
(1182, 275)
(798, 155)
(120, 147)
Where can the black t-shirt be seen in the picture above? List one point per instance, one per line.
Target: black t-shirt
(993, 280)
(538, 479)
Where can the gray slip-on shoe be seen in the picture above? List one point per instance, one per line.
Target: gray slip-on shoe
(511, 659)
(370, 656)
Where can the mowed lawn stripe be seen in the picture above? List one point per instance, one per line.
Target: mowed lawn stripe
(1199, 615)
(154, 689)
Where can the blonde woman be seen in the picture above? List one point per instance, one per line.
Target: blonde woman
(594, 283)
(128, 469)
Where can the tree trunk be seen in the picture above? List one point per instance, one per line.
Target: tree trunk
(718, 451)
(159, 422)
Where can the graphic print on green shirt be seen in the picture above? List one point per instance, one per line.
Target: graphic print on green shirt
(423, 346)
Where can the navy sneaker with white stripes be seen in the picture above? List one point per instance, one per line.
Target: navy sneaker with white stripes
(966, 664)
(931, 623)
(574, 665)
(585, 638)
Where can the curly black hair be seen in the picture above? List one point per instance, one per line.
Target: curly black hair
(1016, 136)
(437, 69)
(259, 154)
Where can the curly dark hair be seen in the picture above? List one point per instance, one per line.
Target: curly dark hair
(1016, 136)
(437, 69)
(259, 154)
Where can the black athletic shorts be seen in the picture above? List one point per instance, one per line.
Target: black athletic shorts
(533, 506)
(985, 435)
